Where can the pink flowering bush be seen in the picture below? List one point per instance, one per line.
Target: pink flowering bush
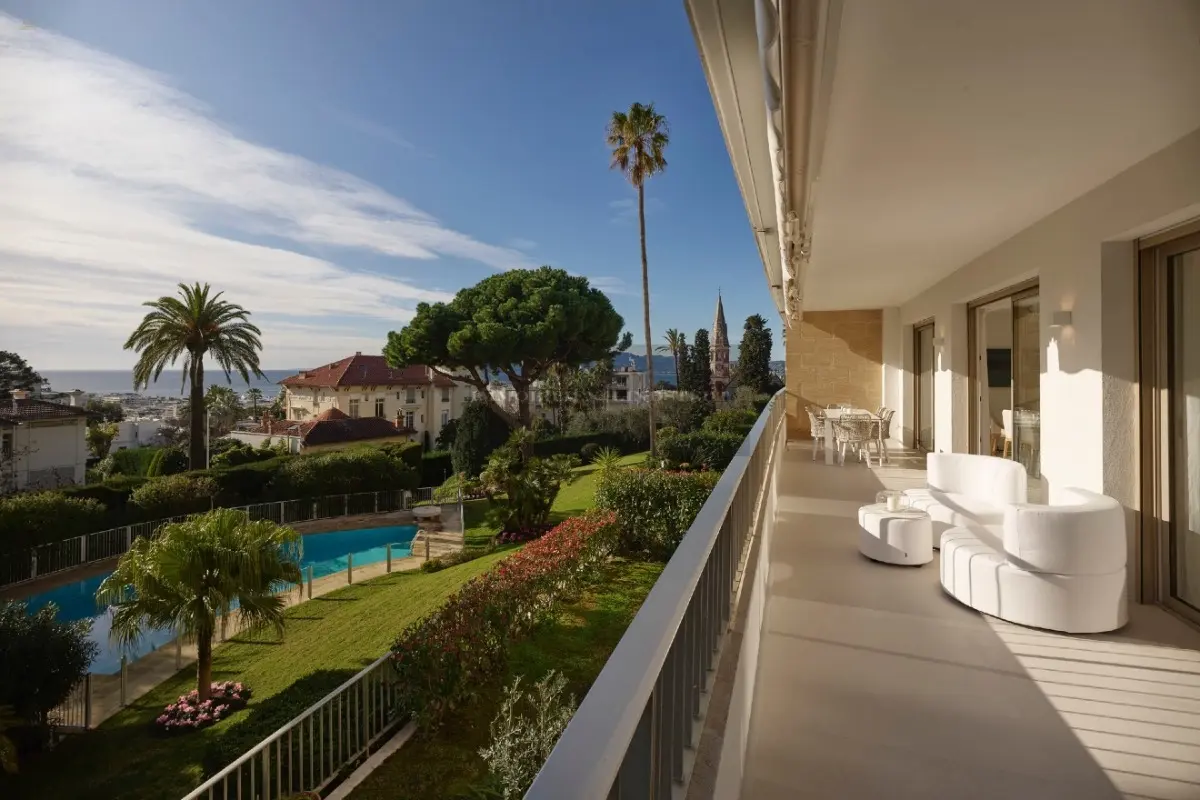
(442, 660)
(188, 713)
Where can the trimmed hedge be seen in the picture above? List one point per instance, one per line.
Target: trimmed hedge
(342, 472)
(175, 495)
(436, 467)
(573, 445)
(730, 420)
(30, 519)
(701, 449)
(654, 508)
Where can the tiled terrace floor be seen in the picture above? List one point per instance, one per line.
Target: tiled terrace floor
(873, 683)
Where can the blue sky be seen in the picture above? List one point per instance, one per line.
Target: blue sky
(331, 168)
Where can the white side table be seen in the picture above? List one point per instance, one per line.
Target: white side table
(902, 537)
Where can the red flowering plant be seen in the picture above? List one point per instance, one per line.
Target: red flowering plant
(442, 660)
(190, 713)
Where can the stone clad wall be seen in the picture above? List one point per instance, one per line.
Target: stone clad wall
(834, 357)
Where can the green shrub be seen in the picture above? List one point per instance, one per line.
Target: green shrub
(529, 484)
(654, 508)
(458, 557)
(588, 451)
(436, 467)
(731, 420)
(341, 472)
(241, 453)
(448, 492)
(445, 438)
(702, 449)
(168, 461)
(575, 443)
(41, 659)
(408, 453)
(114, 494)
(248, 483)
(684, 414)
(744, 397)
(33, 518)
(525, 730)
(175, 495)
(480, 430)
(629, 426)
(134, 462)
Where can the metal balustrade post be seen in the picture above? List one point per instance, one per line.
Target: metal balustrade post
(389, 557)
(124, 680)
(178, 652)
(33, 573)
(426, 545)
(87, 700)
(83, 548)
(350, 568)
(310, 581)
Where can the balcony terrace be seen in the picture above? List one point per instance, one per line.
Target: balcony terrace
(836, 676)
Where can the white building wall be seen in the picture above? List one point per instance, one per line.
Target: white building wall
(50, 445)
(1083, 257)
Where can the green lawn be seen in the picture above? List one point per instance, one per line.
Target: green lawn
(328, 640)
(572, 500)
(446, 765)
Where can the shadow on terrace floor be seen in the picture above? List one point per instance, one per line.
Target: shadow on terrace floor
(873, 683)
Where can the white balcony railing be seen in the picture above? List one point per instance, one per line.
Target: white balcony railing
(634, 732)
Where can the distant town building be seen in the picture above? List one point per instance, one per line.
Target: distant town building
(43, 445)
(330, 430)
(719, 348)
(415, 399)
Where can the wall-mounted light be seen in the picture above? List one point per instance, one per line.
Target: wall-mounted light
(1060, 319)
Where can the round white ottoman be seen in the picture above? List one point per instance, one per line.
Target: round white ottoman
(902, 537)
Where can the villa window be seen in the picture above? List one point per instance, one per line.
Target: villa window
(379, 406)
(445, 418)
(408, 420)
(354, 409)
(410, 395)
(446, 395)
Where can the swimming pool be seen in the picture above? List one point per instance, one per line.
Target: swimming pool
(326, 553)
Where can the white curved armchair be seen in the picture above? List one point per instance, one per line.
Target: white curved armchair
(1059, 567)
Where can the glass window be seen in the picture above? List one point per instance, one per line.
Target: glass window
(446, 395)
(923, 353)
(445, 418)
(379, 406)
(1027, 383)
(408, 419)
(410, 395)
(354, 409)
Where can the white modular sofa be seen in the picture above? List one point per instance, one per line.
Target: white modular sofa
(968, 491)
(1059, 567)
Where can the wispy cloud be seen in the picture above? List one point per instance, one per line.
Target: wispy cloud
(370, 128)
(522, 244)
(612, 285)
(116, 186)
(625, 209)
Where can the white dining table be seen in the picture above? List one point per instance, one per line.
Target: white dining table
(836, 413)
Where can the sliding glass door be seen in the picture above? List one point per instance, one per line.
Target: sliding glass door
(923, 372)
(1170, 401)
(1184, 402)
(1006, 376)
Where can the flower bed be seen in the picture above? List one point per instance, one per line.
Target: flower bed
(188, 713)
(444, 658)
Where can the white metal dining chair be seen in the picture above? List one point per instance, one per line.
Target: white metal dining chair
(816, 423)
(852, 430)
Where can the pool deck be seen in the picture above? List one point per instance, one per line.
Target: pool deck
(153, 668)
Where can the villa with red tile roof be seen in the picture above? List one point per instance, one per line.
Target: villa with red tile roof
(415, 401)
(42, 444)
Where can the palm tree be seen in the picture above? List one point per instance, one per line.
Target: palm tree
(193, 572)
(638, 138)
(675, 343)
(193, 325)
(255, 395)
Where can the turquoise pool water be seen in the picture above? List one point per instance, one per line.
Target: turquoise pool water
(326, 553)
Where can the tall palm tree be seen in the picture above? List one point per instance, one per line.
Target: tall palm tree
(255, 396)
(675, 343)
(638, 139)
(193, 572)
(195, 324)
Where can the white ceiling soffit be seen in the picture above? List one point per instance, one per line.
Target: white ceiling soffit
(727, 39)
(955, 124)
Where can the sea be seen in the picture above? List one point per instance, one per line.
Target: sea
(169, 383)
